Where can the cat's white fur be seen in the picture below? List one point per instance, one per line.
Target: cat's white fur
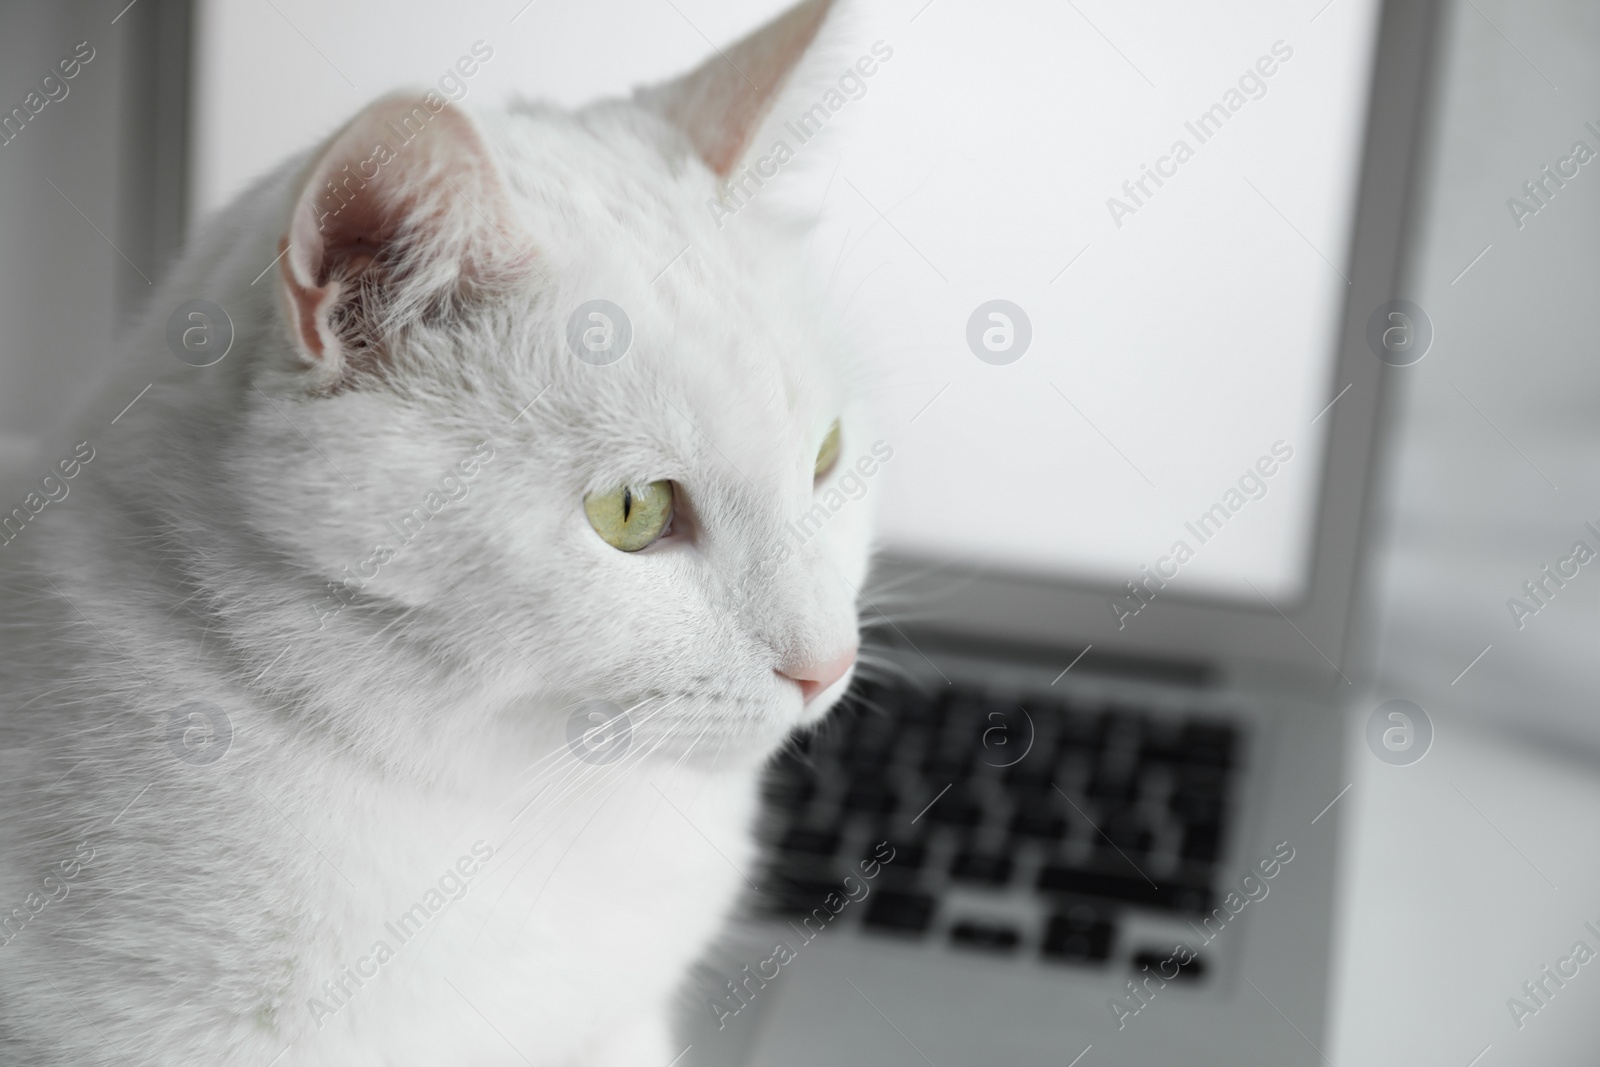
(423, 724)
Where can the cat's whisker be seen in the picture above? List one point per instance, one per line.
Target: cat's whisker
(597, 807)
(532, 842)
(918, 585)
(551, 829)
(576, 778)
(873, 668)
(697, 738)
(894, 619)
(968, 570)
(563, 750)
(577, 772)
(851, 299)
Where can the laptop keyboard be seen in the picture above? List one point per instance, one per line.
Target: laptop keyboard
(1019, 823)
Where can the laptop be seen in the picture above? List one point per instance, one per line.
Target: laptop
(1082, 804)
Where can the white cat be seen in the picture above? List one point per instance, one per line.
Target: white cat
(295, 759)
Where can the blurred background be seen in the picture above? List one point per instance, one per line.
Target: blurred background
(1462, 871)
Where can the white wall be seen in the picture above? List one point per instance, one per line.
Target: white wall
(278, 76)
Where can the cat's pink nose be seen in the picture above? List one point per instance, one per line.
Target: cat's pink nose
(814, 678)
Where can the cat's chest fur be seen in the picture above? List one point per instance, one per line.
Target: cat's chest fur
(440, 929)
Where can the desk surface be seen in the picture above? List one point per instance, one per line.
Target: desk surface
(1465, 874)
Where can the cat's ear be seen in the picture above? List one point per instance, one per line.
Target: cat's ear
(720, 106)
(403, 211)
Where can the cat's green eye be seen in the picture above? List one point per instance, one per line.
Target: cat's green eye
(828, 454)
(629, 518)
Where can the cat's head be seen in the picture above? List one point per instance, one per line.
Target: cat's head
(534, 407)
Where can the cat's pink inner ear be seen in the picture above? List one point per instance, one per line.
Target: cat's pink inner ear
(721, 104)
(406, 194)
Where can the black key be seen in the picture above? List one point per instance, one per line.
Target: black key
(869, 725)
(985, 868)
(961, 701)
(797, 895)
(861, 756)
(1079, 935)
(1122, 729)
(1199, 795)
(809, 841)
(1114, 786)
(956, 808)
(1202, 842)
(1198, 778)
(1041, 825)
(878, 776)
(1124, 832)
(964, 724)
(1190, 807)
(1164, 894)
(870, 797)
(908, 855)
(1031, 777)
(917, 709)
(843, 724)
(993, 937)
(1162, 964)
(866, 688)
(903, 912)
(1161, 743)
(1078, 730)
(947, 765)
(1005, 738)
(1208, 742)
(787, 789)
(1046, 712)
(873, 697)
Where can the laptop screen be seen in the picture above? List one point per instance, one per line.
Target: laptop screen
(1095, 255)
(1100, 287)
